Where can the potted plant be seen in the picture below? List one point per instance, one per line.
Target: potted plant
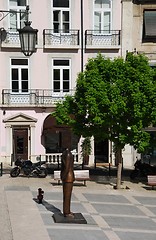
(86, 149)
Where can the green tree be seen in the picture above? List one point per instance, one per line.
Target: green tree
(115, 100)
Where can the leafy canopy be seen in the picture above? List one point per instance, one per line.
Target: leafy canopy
(114, 99)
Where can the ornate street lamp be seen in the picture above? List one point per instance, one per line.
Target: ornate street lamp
(27, 35)
(28, 39)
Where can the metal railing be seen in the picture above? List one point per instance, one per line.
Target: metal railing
(36, 97)
(50, 38)
(12, 38)
(60, 37)
(53, 37)
(102, 38)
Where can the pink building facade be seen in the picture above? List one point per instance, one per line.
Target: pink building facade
(69, 32)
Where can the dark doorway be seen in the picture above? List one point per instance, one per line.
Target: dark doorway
(101, 151)
(150, 155)
(20, 143)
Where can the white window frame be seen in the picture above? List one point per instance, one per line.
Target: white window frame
(19, 67)
(102, 11)
(18, 9)
(61, 9)
(61, 93)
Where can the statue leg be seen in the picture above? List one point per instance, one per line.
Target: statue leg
(67, 191)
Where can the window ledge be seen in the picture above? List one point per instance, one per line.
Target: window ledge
(148, 44)
(8, 45)
(61, 46)
(103, 47)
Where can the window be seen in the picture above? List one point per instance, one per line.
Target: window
(61, 75)
(17, 19)
(102, 15)
(149, 26)
(61, 16)
(19, 75)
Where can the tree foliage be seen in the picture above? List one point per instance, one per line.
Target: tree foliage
(114, 99)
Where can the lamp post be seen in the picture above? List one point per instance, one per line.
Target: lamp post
(27, 35)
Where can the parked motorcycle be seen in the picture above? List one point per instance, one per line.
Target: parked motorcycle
(28, 168)
(142, 170)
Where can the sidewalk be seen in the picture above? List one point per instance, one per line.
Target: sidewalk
(129, 213)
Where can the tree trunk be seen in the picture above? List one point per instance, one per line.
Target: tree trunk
(86, 160)
(119, 167)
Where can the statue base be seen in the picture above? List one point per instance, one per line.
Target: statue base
(78, 218)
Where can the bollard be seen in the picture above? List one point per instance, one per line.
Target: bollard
(95, 162)
(40, 195)
(1, 169)
(109, 172)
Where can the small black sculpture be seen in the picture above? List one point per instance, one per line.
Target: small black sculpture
(40, 195)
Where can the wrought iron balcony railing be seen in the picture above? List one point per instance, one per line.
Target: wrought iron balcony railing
(12, 38)
(53, 37)
(102, 38)
(33, 97)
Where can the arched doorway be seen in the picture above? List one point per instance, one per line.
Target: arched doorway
(56, 138)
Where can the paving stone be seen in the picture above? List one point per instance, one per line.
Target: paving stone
(152, 209)
(17, 188)
(136, 236)
(106, 198)
(146, 200)
(117, 209)
(130, 222)
(77, 234)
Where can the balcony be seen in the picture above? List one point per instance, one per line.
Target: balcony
(11, 40)
(33, 97)
(101, 39)
(61, 39)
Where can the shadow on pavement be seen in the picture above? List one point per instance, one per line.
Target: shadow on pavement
(48, 206)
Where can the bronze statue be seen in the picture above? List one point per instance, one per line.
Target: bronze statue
(67, 177)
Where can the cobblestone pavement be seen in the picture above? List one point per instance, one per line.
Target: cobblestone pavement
(128, 213)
